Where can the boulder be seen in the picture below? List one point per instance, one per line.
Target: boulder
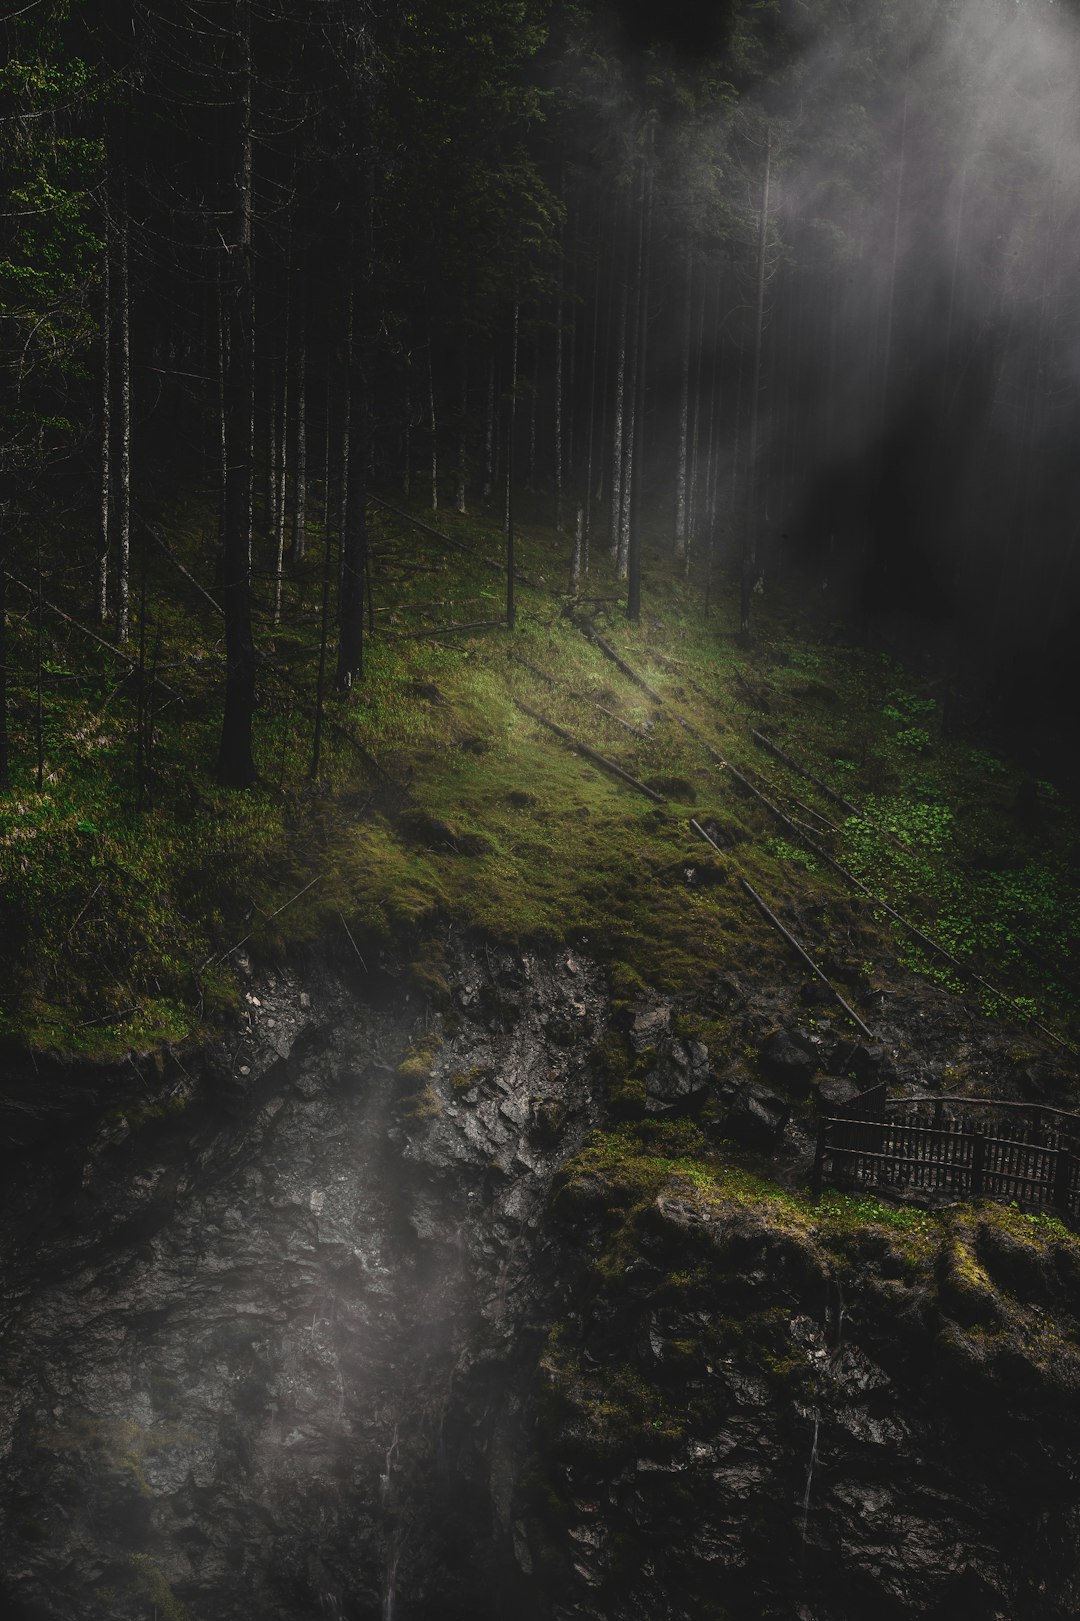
(757, 1117)
(787, 1063)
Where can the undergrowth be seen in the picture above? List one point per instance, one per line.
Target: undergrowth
(439, 801)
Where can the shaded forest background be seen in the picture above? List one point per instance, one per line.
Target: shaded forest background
(787, 289)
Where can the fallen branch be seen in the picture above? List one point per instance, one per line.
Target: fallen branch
(175, 561)
(109, 1018)
(619, 662)
(802, 834)
(117, 652)
(444, 630)
(766, 912)
(590, 754)
(447, 540)
(582, 697)
(268, 918)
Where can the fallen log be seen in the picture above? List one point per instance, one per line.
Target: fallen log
(768, 913)
(619, 662)
(582, 697)
(590, 754)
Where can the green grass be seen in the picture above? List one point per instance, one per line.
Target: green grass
(439, 802)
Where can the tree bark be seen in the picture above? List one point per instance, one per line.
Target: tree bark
(463, 428)
(750, 538)
(684, 414)
(619, 429)
(236, 767)
(123, 502)
(433, 424)
(511, 607)
(106, 417)
(633, 557)
(300, 514)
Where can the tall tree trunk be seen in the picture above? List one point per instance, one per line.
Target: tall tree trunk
(433, 424)
(355, 459)
(633, 560)
(619, 430)
(123, 502)
(534, 395)
(283, 455)
(300, 515)
(236, 767)
(894, 258)
(560, 310)
(682, 455)
(511, 606)
(750, 539)
(463, 427)
(576, 552)
(694, 502)
(489, 431)
(5, 654)
(406, 471)
(590, 450)
(106, 418)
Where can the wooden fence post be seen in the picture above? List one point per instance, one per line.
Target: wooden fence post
(1063, 1175)
(978, 1160)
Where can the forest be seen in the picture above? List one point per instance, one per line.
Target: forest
(539, 605)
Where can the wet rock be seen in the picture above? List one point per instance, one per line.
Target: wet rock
(757, 1117)
(833, 1092)
(679, 1079)
(786, 1062)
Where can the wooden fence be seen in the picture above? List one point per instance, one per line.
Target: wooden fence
(968, 1147)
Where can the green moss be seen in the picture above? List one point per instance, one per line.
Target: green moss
(423, 1105)
(441, 804)
(416, 1065)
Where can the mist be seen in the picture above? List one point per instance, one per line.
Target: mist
(920, 332)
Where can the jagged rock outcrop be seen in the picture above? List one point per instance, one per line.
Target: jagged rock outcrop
(347, 1319)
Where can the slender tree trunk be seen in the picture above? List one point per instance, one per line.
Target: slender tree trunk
(694, 502)
(236, 767)
(577, 551)
(750, 539)
(618, 433)
(354, 541)
(123, 504)
(633, 592)
(712, 473)
(106, 418)
(682, 455)
(511, 607)
(560, 310)
(894, 258)
(463, 427)
(300, 514)
(39, 660)
(406, 473)
(283, 456)
(434, 430)
(590, 452)
(5, 654)
(489, 431)
(534, 394)
(320, 680)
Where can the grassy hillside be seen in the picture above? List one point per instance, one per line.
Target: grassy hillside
(440, 801)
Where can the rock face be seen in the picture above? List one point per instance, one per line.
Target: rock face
(260, 1361)
(343, 1338)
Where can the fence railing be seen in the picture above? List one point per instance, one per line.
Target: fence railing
(969, 1147)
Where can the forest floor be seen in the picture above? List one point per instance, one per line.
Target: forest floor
(442, 801)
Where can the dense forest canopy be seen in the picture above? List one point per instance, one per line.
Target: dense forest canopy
(782, 285)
